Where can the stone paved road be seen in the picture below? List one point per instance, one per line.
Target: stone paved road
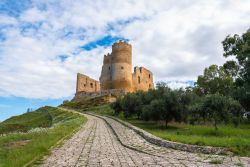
(97, 145)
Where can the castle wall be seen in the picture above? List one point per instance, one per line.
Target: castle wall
(142, 79)
(122, 53)
(86, 84)
(121, 76)
(116, 76)
(106, 76)
(116, 70)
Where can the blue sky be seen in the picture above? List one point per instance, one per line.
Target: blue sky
(10, 106)
(43, 44)
(104, 42)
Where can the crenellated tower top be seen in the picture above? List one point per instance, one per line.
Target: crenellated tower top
(107, 59)
(121, 45)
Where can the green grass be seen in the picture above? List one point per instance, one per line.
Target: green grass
(86, 103)
(236, 139)
(100, 110)
(27, 121)
(73, 105)
(216, 161)
(41, 130)
(239, 164)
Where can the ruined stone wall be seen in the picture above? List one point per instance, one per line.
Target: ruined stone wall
(111, 94)
(86, 84)
(142, 79)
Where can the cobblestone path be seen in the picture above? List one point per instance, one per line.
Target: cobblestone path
(106, 142)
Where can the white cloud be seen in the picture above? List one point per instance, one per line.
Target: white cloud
(178, 84)
(175, 40)
(6, 20)
(34, 15)
(178, 43)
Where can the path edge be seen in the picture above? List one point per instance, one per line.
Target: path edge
(174, 145)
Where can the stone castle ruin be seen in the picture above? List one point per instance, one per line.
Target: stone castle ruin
(116, 75)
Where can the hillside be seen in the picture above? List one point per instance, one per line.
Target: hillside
(40, 118)
(40, 130)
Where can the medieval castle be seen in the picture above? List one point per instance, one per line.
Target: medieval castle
(116, 76)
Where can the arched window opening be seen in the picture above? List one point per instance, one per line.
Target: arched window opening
(139, 79)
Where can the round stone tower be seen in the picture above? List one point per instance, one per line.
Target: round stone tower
(106, 77)
(121, 66)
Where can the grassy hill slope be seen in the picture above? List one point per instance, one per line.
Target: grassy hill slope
(30, 136)
(27, 121)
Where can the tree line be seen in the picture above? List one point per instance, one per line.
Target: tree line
(220, 95)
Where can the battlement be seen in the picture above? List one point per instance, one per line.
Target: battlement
(107, 59)
(121, 45)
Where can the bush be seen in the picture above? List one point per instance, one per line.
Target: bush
(129, 104)
(179, 105)
(116, 106)
(172, 107)
(236, 111)
(146, 112)
(217, 108)
(157, 109)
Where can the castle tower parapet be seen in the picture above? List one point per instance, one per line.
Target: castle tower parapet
(122, 52)
(107, 59)
(121, 45)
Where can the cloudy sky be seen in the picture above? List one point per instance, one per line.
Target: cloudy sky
(43, 44)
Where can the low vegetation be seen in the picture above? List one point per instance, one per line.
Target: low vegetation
(86, 103)
(237, 139)
(30, 136)
(164, 104)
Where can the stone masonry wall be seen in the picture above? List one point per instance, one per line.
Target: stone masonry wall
(116, 69)
(86, 84)
(116, 75)
(142, 79)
